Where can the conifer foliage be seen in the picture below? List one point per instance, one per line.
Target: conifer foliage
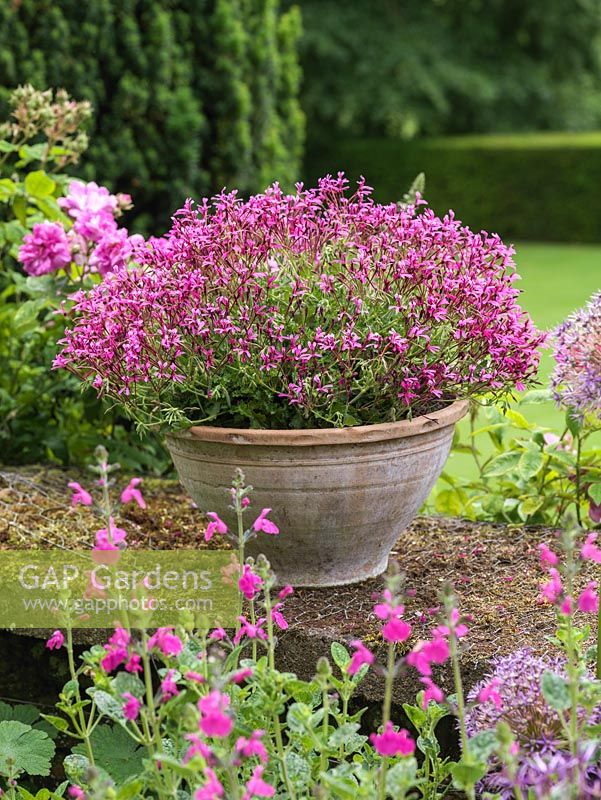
(189, 95)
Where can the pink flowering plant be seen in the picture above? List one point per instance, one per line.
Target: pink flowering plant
(321, 308)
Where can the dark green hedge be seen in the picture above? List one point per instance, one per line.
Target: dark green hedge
(188, 95)
(538, 187)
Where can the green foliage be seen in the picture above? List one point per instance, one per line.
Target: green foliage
(24, 749)
(489, 181)
(431, 67)
(525, 473)
(188, 95)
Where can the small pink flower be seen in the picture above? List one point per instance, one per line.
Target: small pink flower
(588, 602)
(132, 493)
(265, 525)
(253, 746)
(131, 707)
(167, 642)
(218, 635)
(134, 663)
(110, 540)
(217, 525)
(212, 790)
(590, 551)
(56, 641)
(250, 630)
(257, 787)
(168, 686)
(196, 677)
(360, 657)
(80, 495)
(490, 694)
(277, 616)
(566, 606)
(285, 592)
(241, 675)
(424, 654)
(455, 627)
(76, 792)
(551, 591)
(393, 743)
(547, 556)
(249, 583)
(198, 748)
(396, 630)
(432, 692)
(215, 720)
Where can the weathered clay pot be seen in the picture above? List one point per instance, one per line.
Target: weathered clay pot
(340, 496)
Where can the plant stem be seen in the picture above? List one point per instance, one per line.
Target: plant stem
(578, 478)
(82, 720)
(388, 687)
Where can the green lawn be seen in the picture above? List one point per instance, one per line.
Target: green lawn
(556, 280)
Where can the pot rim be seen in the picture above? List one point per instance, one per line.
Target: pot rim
(359, 434)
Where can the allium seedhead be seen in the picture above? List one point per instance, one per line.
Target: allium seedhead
(576, 380)
(314, 309)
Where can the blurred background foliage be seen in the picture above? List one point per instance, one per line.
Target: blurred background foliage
(188, 95)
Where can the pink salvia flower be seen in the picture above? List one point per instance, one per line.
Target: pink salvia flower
(80, 495)
(489, 694)
(132, 493)
(278, 618)
(547, 556)
(250, 630)
(431, 693)
(131, 707)
(393, 743)
(110, 540)
(168, 686)
(215, 720)
(257, 787)
(285, 592)
(212, 790)
(249, 583)
(253, 746)
(218, 635)
(360, 657)
(265, 525)
(76, 792)
(56, 641)
(198, 748)
(552, 590)
(167, 642)
(588, 601)
(396, 630)
(216, 525)
(590, 551)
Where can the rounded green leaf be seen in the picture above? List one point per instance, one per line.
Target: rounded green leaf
(38, 184)
(24, 749)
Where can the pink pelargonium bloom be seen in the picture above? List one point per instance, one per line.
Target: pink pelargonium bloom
(216, 525)
(547, 556)
(46, 249)
(590, 551)
(360, 657)
(588, 601)
(132, 493)
(80, 495)
(110, 540)
(253, 746)
(432, 692)
(249, 583)
(131, 707)
(212, 789)
(168, 686)
(489, 694)
(257, 787)
(56, 641)
(393, 743)
(396, 630)
(215, 720)
(266, 525)
(166, 641)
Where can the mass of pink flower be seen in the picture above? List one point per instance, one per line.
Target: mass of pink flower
(318, 308)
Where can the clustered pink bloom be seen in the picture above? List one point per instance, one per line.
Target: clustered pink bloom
(168, 685)
(395, 629)
(553, 591)
(56, 641)
(110, 538)
(216, 525)
(116, 650)
(131, 707)
(131, 493)
(46, 249)
(393, 743)
(576, 380)
(333, 300)
(166, 641)
(212, 789)
(215, 721)
(249, 583)
(80, 495)
(266, 525)
(257, 787)
(360, 657)
(253, 746)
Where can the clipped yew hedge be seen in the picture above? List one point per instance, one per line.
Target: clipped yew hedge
(539, 186)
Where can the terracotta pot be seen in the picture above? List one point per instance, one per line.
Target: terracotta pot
(340, 496)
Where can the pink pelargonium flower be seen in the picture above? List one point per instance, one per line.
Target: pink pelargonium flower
(257, 787)
(393, 743)
(132, 493)
(215, 720)
(249, 583)
(265, 525)
(253, 746)
(46, 249)
(489, 694)
(212, 789)
(110, 540)
(216, 525)
(131, 707)
(56, 641)
(166, 641)
(80, 495)
(396, 630)
(588, 601)
(360, 657)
